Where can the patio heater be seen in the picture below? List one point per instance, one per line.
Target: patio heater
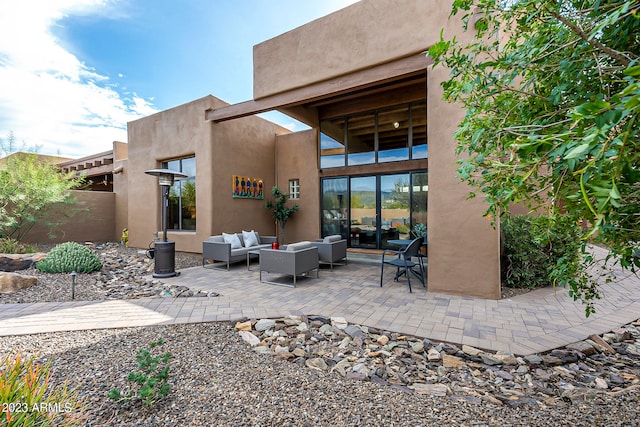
(165, 251)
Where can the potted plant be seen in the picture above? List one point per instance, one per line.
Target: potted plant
(281, 213)
(420, 230)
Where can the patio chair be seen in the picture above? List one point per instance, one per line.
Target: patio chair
(332, 250)
(299, 258)
(402, 261)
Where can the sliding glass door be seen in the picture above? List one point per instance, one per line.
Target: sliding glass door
(363, 212)
(371, 210)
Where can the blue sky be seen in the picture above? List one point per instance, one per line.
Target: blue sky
(74, 72)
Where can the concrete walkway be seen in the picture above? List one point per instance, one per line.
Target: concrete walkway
(534, 322)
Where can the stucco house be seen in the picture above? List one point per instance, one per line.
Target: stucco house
(377, 158)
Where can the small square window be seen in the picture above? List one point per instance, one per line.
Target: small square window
(294, 188)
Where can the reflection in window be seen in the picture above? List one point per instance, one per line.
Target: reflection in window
(419, 125)
(361, 141)
(332, 143)
(334, 207)
(394, 198)
(387, 135)
(420, 190)
(182, 195)
(393, 134)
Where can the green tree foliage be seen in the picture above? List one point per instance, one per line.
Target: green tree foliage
(281, 212)
(551, 91)
(31, 190)
(534, 248)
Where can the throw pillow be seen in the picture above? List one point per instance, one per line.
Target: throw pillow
(250, 238)
(233, 239)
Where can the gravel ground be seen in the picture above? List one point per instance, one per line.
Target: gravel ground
(217, 379)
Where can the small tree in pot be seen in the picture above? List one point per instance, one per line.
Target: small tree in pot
(281, 213)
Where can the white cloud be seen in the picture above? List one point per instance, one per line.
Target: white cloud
(50, 98)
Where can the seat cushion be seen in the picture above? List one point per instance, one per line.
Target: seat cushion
(233, 239)
(292, 247)
(250, 238)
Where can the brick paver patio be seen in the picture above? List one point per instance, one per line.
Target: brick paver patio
(534, 322)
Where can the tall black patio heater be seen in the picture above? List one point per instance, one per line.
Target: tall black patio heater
(165, 251)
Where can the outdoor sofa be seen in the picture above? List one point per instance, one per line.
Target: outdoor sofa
(332, 250)
(225, 248)
(297, 259)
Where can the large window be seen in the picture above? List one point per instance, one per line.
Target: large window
(361, 143)
(332, 138)
(393, 134)
(371, 210)
(182, 195)
(385, 135)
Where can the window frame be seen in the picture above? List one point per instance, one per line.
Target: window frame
(294, 189)
(178, 188)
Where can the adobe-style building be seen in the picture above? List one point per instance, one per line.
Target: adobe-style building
(378, 156)
(377, 159)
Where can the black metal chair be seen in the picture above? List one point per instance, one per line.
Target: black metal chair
(403, 260)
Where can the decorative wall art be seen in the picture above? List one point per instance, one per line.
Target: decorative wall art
(244, 187)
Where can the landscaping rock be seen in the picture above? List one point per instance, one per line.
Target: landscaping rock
(14, 282)
(18, 262)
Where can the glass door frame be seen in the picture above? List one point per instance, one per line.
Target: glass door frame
(378, 235)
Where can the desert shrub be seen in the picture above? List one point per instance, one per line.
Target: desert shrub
(68, 257)
(151, 382)
(9, 245)
(28, 399)
(536, 248)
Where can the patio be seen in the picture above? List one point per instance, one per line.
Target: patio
(538, 321)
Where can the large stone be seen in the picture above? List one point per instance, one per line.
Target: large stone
(601, 345)
(316, 363)
(433, 355)
(491, 360)
(449, 361)
(583, 347)
(264, 324)
(17, 262)
(249, 337)
(13, 282)
(383, 340)
(339, 322)
(439, 390)
(244, 326)
(471, 351)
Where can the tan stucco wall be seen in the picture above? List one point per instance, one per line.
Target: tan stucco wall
(297, 158)
(174, 133)
(367, 33)
(241, 147)
(93, 222)
(464, 250)
(121, 198)
(120, 188)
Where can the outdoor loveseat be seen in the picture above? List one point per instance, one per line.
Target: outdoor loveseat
(225, 248)
(297, 259)
(332, 250)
